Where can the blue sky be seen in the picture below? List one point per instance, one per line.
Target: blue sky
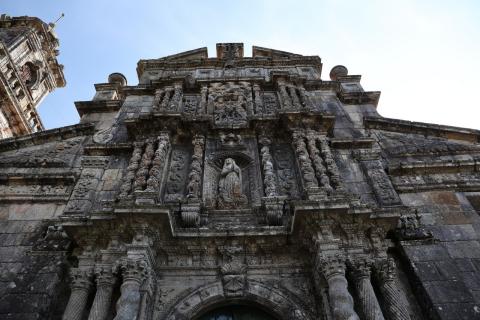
(423, 55)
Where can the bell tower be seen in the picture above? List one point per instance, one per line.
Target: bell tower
(29, 70)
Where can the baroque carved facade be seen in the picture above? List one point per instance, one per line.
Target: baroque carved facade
(29, 70)
(239, 182)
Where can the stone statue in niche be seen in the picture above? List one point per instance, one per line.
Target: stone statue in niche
(230, 186)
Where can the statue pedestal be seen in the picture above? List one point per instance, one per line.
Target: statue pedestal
(190, 214)
(274, 210)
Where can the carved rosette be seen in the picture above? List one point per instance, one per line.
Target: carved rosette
(366, 298)
(80, 287)
(308, 174)
(396, 305)
(158, 163)
(126, 186)
(341, 302)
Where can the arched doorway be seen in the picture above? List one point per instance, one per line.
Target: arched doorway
(236, 312)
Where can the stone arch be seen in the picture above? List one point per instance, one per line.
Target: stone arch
(275, 301)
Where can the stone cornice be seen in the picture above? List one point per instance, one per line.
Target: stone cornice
(84, 107)
(403, 126)
(38, 138)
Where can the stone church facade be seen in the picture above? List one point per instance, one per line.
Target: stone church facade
(239, 187)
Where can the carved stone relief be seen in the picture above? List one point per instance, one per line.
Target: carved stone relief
(178, 171)
(230, 103)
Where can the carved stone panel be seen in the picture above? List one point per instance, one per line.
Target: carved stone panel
(177, 173)
(270, 103)
(230, 103)
(216, 177)
(285, 168)
(190, 104)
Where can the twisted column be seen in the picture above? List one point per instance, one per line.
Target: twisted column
(341, 302)
(367, 300)
(80, 287)
(134, 273)
(141, 175)
(126, 186)
(320, 170)
(396, 305)
(331, 165)
(267, 166)
(101, 304)
(158, 98)
(158, 163)
(308, 174)
(166, 98)
(294, 96)
(196, 167)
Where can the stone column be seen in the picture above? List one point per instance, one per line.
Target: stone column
(166, 98)
(341, 302)
(158, 163)
(80, 287)
(101, 304)
(308, 174)
(287, 102)
(320, 170)
(396, 305)
(142, 173)
(134, 273)
(294, 96)
(126, 186)
(366, 298)
(158, 98)
(176, 100)
(331, 165)
(269, 182)
(257, 99)
(203, 100)
(304, 98)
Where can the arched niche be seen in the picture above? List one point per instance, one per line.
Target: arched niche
(273, 301)
(251, 185)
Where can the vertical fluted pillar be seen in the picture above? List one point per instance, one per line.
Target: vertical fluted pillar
(80, 287)
(341, 302)
(134, 273)
(158, 163)
(396, 305)
(101, 304)
(366, 298)
(126, 186)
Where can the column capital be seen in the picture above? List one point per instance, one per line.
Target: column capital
(134, 270)
(361, 268)
(386, 269)
(331, 265)
(104, 275)
(81, 278)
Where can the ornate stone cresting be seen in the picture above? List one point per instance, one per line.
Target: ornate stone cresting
(396, 305)
(332, 267)
(80, 287)
(366, 298)
(101, 304)
(134, 272)
(158, 163)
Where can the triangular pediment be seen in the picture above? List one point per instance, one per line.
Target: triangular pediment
(200, 53)
(272, 53)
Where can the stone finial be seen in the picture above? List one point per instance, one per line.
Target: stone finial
(337, 72)
(117, 78)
